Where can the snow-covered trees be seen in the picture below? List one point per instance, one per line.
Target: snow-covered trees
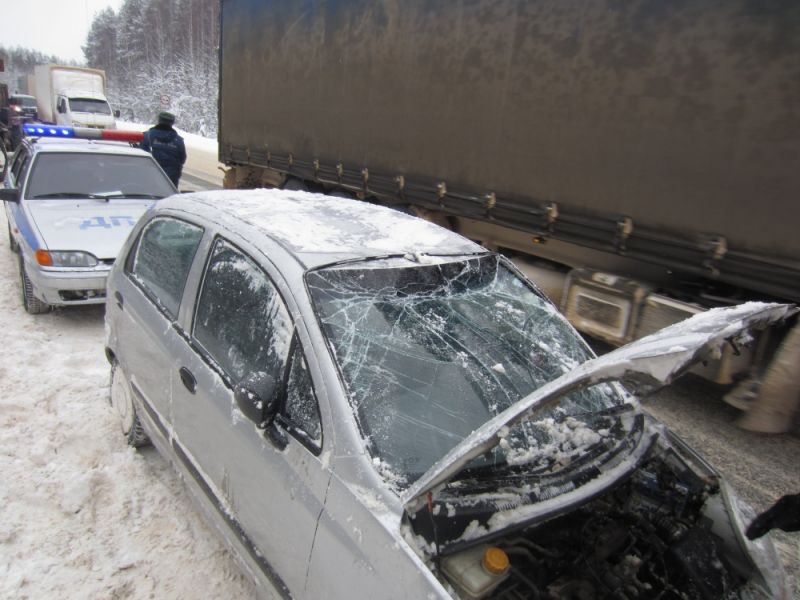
(19, 63)
(157, 55)
(101, 43)
(160, 55)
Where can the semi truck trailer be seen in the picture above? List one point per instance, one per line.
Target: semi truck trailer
(636, 159)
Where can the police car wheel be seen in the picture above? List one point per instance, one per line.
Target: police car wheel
(12, 243)
(30, 302)
(122, 401)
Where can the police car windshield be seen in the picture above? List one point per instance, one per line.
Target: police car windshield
(89, 105)
(68, 175)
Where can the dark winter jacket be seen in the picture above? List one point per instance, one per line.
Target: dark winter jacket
(167, 147)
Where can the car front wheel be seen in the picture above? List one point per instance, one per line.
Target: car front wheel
(31, 303)
(122, 401)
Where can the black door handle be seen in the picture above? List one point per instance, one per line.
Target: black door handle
(188, 379)
(118, 298)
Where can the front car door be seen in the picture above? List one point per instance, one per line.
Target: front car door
(273, 483)
(18, 224)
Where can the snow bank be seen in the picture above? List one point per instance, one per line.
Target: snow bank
(82, 515)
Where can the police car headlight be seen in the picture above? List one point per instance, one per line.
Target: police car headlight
(66, 259)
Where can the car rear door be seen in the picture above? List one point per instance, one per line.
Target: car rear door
(145, 307)
(269, 485)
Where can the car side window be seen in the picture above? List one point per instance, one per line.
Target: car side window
(20, 167)
(240, 320)
(162, 261)
(301, 411)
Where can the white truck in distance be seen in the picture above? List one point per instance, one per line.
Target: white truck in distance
(73, 96)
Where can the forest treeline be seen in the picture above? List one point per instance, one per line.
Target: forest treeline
(160, 49)
(151, 50)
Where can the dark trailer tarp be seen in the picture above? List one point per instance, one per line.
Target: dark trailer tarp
(665, 129)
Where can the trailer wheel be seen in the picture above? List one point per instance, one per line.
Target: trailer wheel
(294, 184)
(342, 194)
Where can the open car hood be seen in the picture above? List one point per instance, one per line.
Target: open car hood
(644, 366)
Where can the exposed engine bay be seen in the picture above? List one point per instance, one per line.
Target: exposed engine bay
(651, 536)
(647, 539)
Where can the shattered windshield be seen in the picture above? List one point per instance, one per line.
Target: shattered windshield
(429, 350)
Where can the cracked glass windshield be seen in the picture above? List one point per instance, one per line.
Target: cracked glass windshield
(432, 348)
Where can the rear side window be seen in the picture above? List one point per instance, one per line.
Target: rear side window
(241, 320)
(163, 257)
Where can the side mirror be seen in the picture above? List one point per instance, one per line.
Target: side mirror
(256, 397)
(9, 194)
(116, 114)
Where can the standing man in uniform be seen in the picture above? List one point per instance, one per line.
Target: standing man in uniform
(166, 146)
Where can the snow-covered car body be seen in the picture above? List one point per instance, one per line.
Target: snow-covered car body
(71, 203)
(368, 405)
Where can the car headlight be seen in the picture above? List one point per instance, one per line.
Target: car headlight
(65, 259)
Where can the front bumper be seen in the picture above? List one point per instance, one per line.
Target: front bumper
(62, 287)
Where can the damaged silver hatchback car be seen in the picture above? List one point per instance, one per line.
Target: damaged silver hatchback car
(370, 406)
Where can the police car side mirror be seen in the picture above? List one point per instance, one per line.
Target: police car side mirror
(9, 194)
(116, 114)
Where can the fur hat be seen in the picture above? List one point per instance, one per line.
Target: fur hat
(166, 118)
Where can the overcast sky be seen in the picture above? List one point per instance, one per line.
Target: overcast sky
(56, 27)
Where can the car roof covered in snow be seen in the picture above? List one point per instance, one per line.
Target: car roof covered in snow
(318, 229)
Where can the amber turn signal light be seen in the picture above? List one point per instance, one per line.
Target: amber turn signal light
(43, 258)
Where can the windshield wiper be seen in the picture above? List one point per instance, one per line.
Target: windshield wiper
(106, 196)
(65, 195)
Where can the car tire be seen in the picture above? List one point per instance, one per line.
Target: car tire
(31, 303)
(12, 243)
(294, 184)
(121, 398)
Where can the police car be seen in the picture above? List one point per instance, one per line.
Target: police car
(70, 203)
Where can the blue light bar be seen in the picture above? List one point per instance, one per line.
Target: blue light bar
(39, 130)
(84, 133)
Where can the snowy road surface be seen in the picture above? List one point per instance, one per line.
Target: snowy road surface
(82, 515)
(202, 169)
